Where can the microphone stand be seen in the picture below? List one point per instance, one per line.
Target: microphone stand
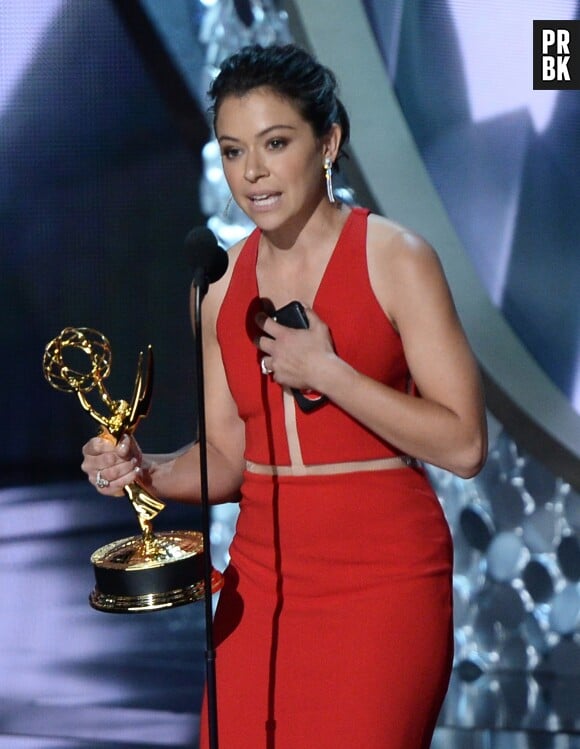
(200, 283)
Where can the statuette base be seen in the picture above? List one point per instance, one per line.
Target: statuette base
(141, 573)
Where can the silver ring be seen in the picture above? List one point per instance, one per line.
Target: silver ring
(100, 482)
(264, 368)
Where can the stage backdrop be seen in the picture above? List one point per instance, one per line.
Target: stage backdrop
(99, 186)
(504, 158)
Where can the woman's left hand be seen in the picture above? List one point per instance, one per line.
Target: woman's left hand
(295, 357)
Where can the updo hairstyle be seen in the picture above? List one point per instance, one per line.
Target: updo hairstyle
(290, 72)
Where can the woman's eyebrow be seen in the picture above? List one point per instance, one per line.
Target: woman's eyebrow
(260, 134)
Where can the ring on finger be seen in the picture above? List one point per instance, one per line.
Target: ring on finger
(263, 366)
(100, 482)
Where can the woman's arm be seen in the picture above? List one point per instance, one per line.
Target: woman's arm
(446, 426)
(177, 475)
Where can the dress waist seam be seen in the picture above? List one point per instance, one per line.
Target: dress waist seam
(328, 469)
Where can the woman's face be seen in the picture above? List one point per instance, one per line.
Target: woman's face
(272, 160)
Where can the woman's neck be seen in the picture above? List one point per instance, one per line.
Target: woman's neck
(295, 270)
(320, 226)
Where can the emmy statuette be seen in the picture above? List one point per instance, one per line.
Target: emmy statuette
(140, 573)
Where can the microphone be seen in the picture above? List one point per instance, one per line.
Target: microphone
(208, 262)
(206, 258)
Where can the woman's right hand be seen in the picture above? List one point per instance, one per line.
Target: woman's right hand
(109, 466)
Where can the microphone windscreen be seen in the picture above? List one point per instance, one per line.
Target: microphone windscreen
(204, 254)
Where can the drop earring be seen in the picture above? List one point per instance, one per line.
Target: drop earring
(328, 178)
(227, 208)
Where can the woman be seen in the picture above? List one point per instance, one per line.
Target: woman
(334, 627)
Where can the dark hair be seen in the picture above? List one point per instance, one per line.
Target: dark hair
(292, 73)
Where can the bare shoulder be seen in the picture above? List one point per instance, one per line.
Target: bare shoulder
(390, 242)
(233, 253)
(402, 265)
(218, 290)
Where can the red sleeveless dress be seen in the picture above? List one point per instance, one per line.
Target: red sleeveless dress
(334, 627)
